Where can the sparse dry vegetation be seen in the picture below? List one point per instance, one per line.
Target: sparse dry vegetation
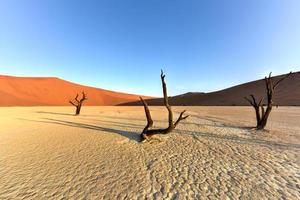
(262, 114)
(147, 134)
(78, 103)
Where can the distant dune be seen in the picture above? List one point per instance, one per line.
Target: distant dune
(25, 91)
(287, 93)
(50, 91)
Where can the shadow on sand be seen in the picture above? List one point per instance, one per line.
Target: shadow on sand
(65, 114)
(241, 140)
(54, 113)
(215, 123)
(122, 124)
(196, 135)
(218, 123)
(130, 135)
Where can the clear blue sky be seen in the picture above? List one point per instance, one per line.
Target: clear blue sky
(203, 45)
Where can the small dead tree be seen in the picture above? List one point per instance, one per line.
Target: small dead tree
(262, 114)
(78, 103)
(147, 134)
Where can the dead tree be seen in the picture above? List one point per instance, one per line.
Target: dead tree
(147, 132)
(78, 103)
(262, 114)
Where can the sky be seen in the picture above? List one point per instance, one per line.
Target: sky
(121, 45)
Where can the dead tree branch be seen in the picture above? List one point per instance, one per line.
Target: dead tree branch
(263, 114)
(147, 132)
(78, 103)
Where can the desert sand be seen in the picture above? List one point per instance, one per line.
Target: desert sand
(286, 94)
(52, 91)
(48, 153)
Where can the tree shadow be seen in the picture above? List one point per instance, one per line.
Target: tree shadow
(136, 137)
(221, 125)
(141, 119)
(129, 125)
(55, 113)
(130, 135)
(218, 122)
(130, 119)
(241, 140)
(212, 119)
(65, 114)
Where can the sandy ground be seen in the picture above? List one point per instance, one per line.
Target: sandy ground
(47, 153)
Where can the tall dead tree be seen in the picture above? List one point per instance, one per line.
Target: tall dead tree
(147, 132)
(78, 103)
(263, 114)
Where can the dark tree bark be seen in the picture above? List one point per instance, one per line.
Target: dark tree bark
(262, 114)
(147, 132)
(78, 103)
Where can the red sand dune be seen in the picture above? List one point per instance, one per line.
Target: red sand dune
(287, 94)
(25, 91)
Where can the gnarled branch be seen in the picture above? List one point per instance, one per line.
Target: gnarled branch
(148, 133)
(181, 117)
(78, 103)
(282, 79)
(148, 115)
(262, 114)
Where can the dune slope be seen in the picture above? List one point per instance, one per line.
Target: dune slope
(25, 91)
(287, 93)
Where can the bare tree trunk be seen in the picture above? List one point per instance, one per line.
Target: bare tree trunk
(262, 118)
(78, 103)
(78, 109)
(147, 134)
